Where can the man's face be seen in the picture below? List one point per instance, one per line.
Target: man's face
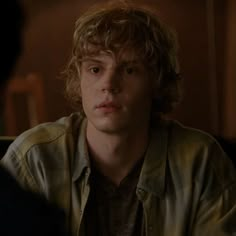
(116, 93)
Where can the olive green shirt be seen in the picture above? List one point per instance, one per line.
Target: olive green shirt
(187, 185)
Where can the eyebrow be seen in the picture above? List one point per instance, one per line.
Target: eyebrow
(121, 62)
(125, 62)
(87, 59)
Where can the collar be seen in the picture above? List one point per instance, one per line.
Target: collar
(152, 177)
(81, 159)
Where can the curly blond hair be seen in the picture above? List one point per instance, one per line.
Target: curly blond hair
(116, 27)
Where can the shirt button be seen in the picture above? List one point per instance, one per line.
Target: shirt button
(141, 193)
(150, 228)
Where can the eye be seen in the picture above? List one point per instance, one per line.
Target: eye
(129, 70)
(94, 70)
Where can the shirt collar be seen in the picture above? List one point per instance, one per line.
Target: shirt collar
(81, 158)
(152, 177)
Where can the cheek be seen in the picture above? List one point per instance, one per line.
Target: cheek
(87, 94)
(83, 91)
(87, 83)
(84, 86)
(139, 91)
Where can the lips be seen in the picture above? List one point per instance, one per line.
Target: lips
(108, 106)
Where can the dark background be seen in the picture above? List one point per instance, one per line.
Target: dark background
(206, 33)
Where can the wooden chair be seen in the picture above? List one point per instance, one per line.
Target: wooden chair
(25, 104)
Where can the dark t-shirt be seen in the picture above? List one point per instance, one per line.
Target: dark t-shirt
(112, 210)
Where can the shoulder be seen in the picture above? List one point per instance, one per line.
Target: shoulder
(191, 142)
(47, 133)
(198, 157)
(183, 135)
(43, 152)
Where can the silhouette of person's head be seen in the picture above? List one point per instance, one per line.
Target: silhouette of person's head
(17, 206)
(11, 24)
(12, 20)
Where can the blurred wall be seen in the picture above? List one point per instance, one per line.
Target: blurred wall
(229, 99)
(206, 34)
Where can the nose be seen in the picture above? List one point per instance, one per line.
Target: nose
(111, 83)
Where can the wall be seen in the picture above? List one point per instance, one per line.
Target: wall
(206, 52)
(229, 99)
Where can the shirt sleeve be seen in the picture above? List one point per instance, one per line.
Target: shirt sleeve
(216, 214)
(15, 162)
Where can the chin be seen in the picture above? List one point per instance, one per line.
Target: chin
(110, 126)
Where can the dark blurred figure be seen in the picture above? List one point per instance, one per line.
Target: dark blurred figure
(229, 146)
(21, 213)
(11, 20)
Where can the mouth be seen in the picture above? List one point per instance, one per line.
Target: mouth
(108, 107)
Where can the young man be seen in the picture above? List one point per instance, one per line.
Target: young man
(120, 168)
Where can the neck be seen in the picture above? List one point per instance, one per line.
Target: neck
(114, 155)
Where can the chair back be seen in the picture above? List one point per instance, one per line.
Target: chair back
(25, 104)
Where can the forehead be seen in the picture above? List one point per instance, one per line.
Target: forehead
(123, 56)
